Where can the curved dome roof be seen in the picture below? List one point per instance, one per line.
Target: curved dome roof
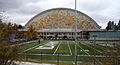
(62, 18)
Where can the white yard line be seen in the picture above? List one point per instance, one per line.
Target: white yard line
(51, 54)
(89, 54)
(92, 48)
(70, 55)
(57, 48)
(33, 47)
(69, 48)
(83, 50)
(49, 45)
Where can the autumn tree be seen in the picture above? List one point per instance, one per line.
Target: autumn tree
(9, 26)
(4, 33)
(31, 33)
(20, 35)
(8, 54)
(15, 26)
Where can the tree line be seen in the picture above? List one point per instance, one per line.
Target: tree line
(8, 53)
(11, 53)
(113, 26)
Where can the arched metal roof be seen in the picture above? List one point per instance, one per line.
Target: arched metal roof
(60, 9)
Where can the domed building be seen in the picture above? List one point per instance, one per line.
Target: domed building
(59, 23)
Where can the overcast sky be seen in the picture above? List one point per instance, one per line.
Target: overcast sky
(21, 11)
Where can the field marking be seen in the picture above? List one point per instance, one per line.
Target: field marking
(89, 54)
(92, 48)
(51, 54)
(100, 45)
(69, 48)
(49, 45)
(106, 48)
(77, 55)
(83, 50)
(97, 59)
(34, 47)
(57, 48)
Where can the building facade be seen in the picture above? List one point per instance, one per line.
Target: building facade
(59, 23)
(104, 35)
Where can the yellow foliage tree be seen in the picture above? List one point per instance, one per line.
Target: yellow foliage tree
(9, 26)
(9, 54)
(15, 26)
(4, 32)
(31, 33)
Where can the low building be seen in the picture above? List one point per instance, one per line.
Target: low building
(104, 35)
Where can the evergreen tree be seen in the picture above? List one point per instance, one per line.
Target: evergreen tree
(0, 21)
(112, 25)
(115, 27)
(20, 26)
(109, 25)
(118, 26)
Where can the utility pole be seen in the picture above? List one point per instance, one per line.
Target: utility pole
(94, 49)
(75, 33)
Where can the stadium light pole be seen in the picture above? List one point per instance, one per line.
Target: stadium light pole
(75, 33)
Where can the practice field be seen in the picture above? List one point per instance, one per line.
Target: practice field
(65, 50)
(68, 48)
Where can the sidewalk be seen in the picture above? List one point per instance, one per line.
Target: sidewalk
(25, 42)
(31, 63)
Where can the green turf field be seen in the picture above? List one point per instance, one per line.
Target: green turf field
(65, 50)
(68, 48)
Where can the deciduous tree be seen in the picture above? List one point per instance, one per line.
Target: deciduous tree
(31, 33)
(9, 54)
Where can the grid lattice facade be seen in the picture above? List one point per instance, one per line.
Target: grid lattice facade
(62, 18)
(59, 23)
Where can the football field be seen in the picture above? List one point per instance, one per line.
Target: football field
(65, 50)
(68, 48)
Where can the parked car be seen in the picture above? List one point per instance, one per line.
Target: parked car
(14, 40)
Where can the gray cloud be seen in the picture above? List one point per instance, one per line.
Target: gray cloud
(9, 4)
(20, 11)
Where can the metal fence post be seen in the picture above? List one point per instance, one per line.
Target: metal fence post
(41, 57)
(57, 59)
(94, 49)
